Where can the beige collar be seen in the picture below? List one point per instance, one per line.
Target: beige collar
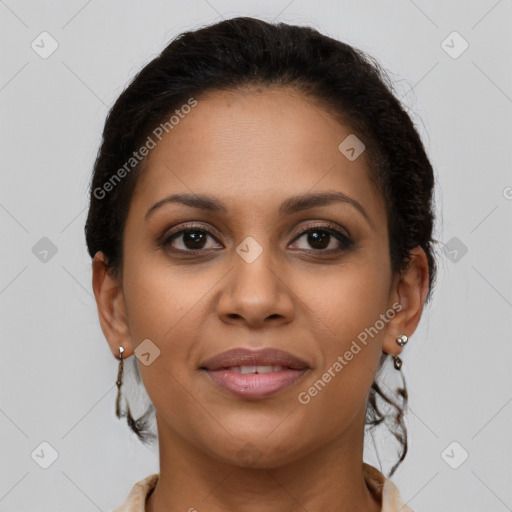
(381, 487)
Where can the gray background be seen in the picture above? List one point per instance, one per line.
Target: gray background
(57, 372)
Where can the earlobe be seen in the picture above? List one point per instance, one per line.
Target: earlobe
(111, 308)
(410, 290)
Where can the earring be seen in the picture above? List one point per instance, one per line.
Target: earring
(401, 340)
(119, 382)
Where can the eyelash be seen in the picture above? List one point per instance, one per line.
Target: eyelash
(346, 242)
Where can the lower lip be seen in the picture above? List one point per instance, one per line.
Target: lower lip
(255, 385)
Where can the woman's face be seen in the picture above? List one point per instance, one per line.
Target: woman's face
(246, 277)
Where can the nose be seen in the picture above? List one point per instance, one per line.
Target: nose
(256, 293)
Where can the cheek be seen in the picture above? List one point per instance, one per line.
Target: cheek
(162, 300)
(345, 310)
(344, 315)
(169, 306)
(164, 305)
(347, 300)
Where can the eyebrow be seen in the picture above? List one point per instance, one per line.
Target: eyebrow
(289, 206)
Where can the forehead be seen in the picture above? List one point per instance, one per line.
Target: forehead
(253, 146)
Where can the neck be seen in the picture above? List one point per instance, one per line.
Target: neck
(330, 478)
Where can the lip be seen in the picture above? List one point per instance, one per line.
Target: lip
(246, 357)
(255, 386)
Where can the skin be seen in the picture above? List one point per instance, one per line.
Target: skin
(252, 150)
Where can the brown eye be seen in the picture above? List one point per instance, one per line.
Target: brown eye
(189, 240)
(321, 237)
(318, 239)
(194, 239)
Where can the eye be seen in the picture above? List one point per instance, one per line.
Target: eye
(323, 239)
(194, 239)
(191, 239)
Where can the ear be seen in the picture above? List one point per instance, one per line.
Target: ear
(111, 308)
(410, 290)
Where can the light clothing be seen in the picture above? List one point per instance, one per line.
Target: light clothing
(382, 487)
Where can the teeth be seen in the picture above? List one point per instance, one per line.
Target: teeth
(255, 369)
(267, 369)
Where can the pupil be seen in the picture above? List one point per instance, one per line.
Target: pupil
(316, 238)
(195, 237)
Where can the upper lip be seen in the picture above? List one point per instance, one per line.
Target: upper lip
(246, 357)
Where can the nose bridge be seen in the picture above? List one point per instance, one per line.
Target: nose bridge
(253, 267)
(256, 290)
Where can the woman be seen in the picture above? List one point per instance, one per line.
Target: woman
(261, 225)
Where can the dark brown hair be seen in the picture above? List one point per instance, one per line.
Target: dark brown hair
(239, 52)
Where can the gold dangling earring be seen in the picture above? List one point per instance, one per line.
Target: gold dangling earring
(401, 340)
(119, 382)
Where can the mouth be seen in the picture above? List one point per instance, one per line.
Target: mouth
(253, 375)
(243, 357)
(256, 369)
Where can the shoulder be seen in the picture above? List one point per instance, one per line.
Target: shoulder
(385, 490)
(136, 500)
